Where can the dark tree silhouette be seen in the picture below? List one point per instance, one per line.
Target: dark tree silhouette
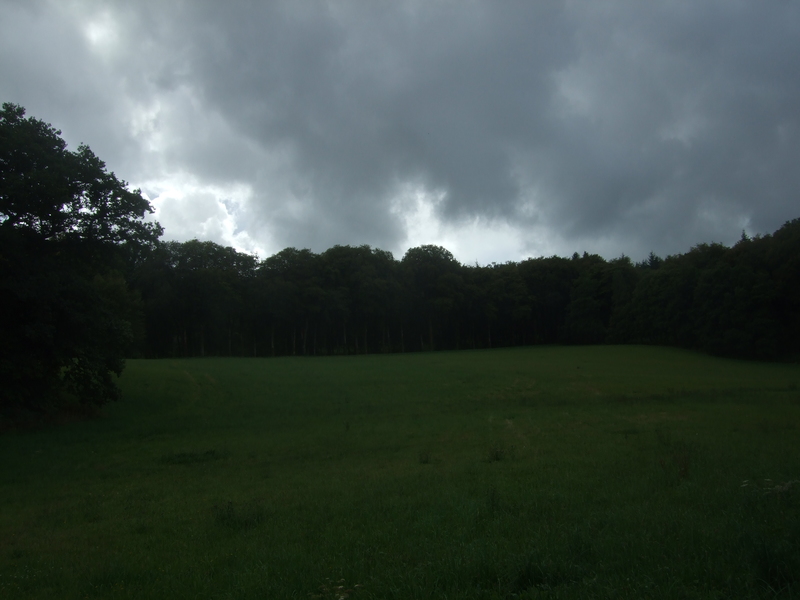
(205, 299)
(67, 228)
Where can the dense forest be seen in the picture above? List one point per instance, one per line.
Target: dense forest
(201, 299)
(85, 282)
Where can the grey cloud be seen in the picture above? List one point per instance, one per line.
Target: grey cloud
(617, 126)
(367, 102)
(684, 117)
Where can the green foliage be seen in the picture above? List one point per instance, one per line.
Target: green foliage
(64, 195)
(205, 300)
(67, 228)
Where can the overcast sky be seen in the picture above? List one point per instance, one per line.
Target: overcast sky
(499, 130)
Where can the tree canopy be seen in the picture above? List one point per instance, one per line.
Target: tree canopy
(201, 299)
(68, 229)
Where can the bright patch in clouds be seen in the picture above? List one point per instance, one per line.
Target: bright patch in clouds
(476, 240)
(102, 33)
(188, 210)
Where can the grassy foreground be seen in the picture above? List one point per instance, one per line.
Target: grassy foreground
(618, 472)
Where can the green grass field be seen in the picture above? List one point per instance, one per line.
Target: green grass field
(582, 472)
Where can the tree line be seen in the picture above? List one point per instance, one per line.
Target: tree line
(202, 299)
(85, 282)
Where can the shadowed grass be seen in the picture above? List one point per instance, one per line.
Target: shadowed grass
(538, 472)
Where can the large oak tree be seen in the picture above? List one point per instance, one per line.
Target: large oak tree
(68, 228)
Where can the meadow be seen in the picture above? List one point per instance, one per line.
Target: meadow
(544, 472)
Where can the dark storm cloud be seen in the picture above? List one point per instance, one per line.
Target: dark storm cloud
(690, 122)
(368, 100)
(608, 126)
